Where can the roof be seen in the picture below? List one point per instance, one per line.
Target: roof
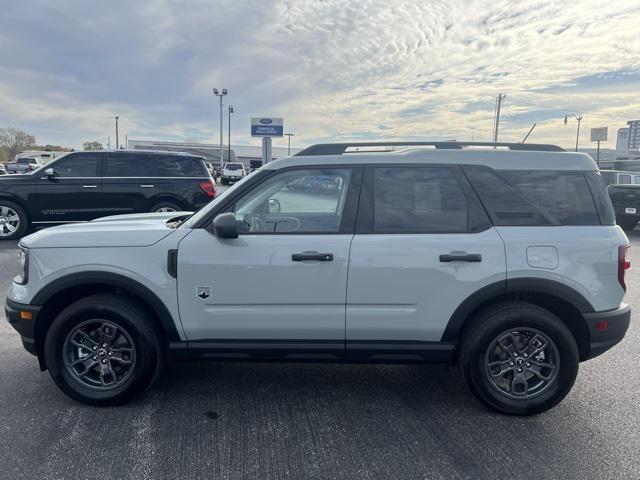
(136, 151)
(495, 158)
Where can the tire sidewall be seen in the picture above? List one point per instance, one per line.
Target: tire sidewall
(474, 351)
(146, 355)
(24, 220)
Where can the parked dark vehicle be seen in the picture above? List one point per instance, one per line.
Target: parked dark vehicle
(24, 165)
(626, 204)
(82, 186)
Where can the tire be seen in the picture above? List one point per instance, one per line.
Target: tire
(523, 322)
(13, 220)
(628, 224)
(224, 181)
(145, 353)
(166, 207)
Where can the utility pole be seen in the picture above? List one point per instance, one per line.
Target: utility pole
(501, 97)
(126, 140)
(220, 94)
(230, 112)
(289, 135)
(117, 144)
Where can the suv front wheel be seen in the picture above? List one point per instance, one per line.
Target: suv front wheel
(519, 359)
(103, 350)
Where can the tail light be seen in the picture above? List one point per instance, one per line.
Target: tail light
(208, 188)
(623, 264)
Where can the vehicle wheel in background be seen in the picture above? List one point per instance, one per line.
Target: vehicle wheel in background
(519, 359)
(166, 207)
(13, 220)
(103, 350)
(627, 224)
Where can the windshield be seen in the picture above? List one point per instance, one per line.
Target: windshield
(203, 212)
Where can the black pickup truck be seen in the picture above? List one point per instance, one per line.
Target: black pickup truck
(626, 204)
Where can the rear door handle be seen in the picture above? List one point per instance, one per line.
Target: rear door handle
(461, 257)
(147, 186)
(320, 257)
(89, 186)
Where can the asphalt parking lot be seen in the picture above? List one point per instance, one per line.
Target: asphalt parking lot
(275, 421)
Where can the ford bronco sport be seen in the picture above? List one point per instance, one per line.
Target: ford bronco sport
(502, 258)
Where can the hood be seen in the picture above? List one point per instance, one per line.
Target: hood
(116, 231)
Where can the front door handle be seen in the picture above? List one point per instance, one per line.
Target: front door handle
(461, 257)
(89, 186)
(320, 257)
(147, 186)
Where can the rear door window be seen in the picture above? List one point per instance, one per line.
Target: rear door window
(418, 200)
(171, 166)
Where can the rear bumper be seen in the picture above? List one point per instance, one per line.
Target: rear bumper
(26, 328)
(617, 324)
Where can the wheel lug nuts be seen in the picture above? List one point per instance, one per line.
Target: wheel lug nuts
(528, 364)
(519, 370)
(110, 353)
(95, 347)
(104, 345)
(525, 355)
(104, 361)
(511, 364)
(95, 358)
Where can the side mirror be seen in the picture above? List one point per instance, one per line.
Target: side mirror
(225, 225)
(49, 172)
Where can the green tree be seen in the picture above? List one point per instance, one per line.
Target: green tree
(92, 146)
(15, 141)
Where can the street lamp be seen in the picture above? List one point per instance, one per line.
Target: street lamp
(117, 144)
(220, 94)
(289, 143)
(579, 118)
(229, 124)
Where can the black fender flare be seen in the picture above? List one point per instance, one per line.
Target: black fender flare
(113, 280)
(512, 285)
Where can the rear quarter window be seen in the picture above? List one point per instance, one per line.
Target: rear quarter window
(172, 166)
(537, 197)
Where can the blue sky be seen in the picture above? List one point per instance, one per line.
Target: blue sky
(334, 69)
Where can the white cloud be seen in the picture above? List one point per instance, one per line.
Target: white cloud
(334, 69)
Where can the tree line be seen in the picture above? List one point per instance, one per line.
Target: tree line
(14, 141)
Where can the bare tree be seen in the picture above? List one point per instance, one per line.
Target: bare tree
(15, 141)
(92, 146)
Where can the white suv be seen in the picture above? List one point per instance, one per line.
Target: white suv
(232, 172)
(504, 259)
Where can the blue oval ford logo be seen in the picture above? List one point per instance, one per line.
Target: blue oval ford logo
(266, 121)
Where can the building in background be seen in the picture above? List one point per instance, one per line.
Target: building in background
(247, 154)
(633, 142)
(623, 139)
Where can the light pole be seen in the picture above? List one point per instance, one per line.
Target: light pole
(289, 143)
(220, 94)
(117, 145)
(579, 118)
(229, 124)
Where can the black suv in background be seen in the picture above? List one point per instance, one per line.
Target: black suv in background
(81, 186)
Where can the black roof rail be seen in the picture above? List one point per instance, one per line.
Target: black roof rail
(340, 148)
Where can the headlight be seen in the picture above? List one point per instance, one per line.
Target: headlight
(23, 277)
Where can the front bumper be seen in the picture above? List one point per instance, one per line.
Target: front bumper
(617, 322)
(25, 327)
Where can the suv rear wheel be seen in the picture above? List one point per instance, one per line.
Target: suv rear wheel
(519, 359)
(103, 350)
(166, 207)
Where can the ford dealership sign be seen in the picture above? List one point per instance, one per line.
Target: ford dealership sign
(266, 127)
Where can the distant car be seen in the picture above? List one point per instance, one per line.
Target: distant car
(209, 167)
(232, 172)
(3, 169)
(82, 186)
(24, 165)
